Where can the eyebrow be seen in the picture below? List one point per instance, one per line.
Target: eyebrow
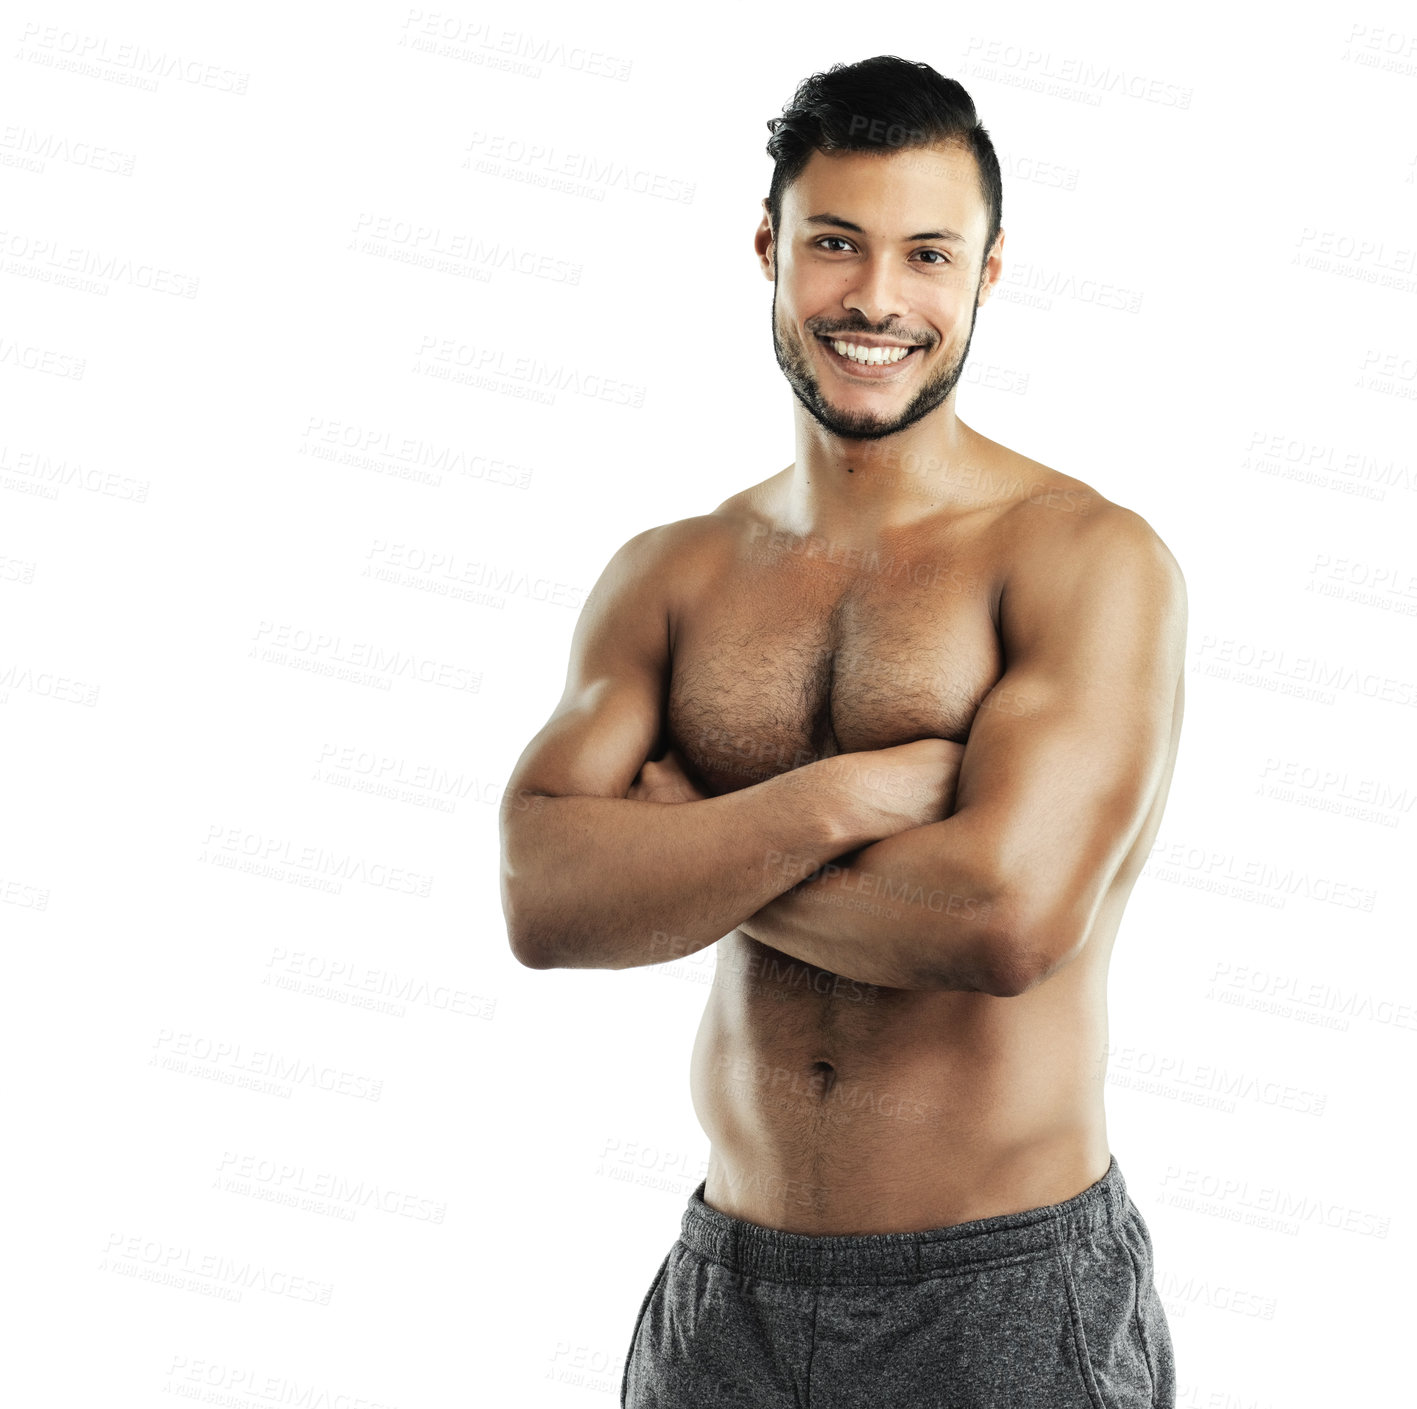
(847, 225)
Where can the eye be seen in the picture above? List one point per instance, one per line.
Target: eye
(837, 238)
(944, 258)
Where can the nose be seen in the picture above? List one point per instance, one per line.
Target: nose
(875, 293)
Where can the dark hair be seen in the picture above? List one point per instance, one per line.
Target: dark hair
(880, 104)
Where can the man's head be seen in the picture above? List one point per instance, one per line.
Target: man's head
(883, 221)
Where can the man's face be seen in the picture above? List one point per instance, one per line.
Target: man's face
(899, 278)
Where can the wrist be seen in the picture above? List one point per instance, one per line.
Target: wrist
(848, 819)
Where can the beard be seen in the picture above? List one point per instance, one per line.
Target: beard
(861, 425)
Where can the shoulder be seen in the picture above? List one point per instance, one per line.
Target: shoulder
(655, 556)
(1057, 524)
(665, 568)
(710, 541)
(1072, 556)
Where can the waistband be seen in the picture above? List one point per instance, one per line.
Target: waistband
(823, 1259)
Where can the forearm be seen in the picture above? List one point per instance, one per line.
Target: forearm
(597, 882)
(915, 910)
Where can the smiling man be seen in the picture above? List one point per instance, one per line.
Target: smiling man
(893, 729)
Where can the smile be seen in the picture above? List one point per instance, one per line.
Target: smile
(860, 358)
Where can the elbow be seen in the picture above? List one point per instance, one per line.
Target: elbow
(524, 934)
(1028, 943)
(1013, 975)
(539, 941)
(527, 948)
(526, 901)
(536, 927)
(525, 951)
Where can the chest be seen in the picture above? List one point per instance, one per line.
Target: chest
(777, 662)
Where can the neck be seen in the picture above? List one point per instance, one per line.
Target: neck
(855, 489)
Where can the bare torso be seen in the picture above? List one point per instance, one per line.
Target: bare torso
(833, 1106)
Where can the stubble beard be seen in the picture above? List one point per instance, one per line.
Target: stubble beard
(860, 425)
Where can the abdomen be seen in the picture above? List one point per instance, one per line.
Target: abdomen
(823, 1097)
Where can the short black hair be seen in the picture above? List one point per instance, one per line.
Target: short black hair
(883, 104)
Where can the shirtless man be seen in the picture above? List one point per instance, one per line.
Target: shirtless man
(894, 729)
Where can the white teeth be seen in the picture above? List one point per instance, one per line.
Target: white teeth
(871, 356)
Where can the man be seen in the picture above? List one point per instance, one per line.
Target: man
(894, 728)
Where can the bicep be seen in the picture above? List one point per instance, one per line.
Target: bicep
(610, 712)
(1067, 750)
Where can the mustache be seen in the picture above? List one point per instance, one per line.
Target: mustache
(897, 333)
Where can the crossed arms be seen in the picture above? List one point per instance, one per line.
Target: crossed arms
(1062, 764)
(1063, 761)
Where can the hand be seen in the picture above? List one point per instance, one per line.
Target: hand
(904, 785)
(665, 780)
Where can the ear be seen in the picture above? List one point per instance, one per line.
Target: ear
(993, 267)
(765, 245)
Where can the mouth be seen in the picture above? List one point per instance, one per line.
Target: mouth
(871, 362)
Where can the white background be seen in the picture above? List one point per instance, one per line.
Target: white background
(284, 595)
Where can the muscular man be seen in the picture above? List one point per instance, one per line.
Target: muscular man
(894, 729)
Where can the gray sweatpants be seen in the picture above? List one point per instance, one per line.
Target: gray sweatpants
(1053, 1308)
